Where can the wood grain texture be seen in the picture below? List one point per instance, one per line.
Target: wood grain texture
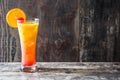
(99, 30)
(57, 41)
(70, 30)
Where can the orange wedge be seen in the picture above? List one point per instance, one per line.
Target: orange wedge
(13, 15)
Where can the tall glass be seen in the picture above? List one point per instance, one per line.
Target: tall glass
(28, 34)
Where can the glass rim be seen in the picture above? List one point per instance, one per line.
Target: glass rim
(32, 19)
(29, 19)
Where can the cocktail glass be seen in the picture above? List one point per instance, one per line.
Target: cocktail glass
(28, 34)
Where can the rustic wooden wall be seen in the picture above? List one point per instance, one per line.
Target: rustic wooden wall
(70, 30)
(99, 30)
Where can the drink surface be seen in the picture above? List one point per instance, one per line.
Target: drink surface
(28, 33)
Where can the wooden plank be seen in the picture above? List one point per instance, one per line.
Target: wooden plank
(58, 40)
(99, 30)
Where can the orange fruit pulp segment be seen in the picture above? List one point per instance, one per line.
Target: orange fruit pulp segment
(13, 15)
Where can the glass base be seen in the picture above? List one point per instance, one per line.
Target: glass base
(29, 69)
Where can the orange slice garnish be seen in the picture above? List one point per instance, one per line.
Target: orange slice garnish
(13, 15)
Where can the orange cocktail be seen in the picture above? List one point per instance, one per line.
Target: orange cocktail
(28, 34)
(16, 18)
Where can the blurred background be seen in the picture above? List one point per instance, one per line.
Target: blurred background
(69, 31)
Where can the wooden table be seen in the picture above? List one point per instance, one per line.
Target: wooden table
(62, 71)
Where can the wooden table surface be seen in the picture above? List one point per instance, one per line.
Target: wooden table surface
(62, 71)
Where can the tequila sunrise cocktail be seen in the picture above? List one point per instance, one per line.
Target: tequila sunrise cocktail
(16, 18)
(28, 35)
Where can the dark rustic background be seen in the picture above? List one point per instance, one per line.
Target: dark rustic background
(70, 30)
